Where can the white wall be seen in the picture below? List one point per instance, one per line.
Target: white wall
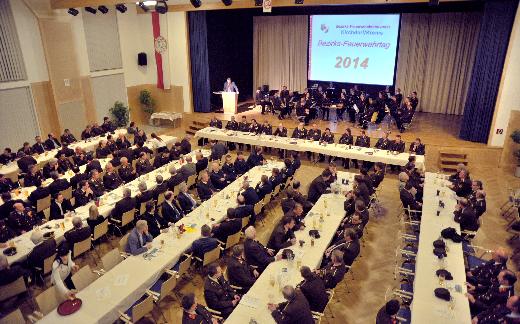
(179, 55)
(509, 92)
(135, 34)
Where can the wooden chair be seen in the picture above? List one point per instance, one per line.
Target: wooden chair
(231, 240)
(138, 310)
(111, 259)
(47, 266)
(191, 180)
(47, 301)
(100, 230)
(317, 315)
(182, 267)
(162, 288)
(42, 204)
(127, 218)
(80, 248)
(142, 207)
(15, 317)
(67, 193)
(210, 256)
(122, 243)
(83, 277)
(13, 289)
(160, 199)
(245, 221)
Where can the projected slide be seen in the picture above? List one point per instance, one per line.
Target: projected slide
(353, 48)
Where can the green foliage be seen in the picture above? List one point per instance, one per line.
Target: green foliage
(147, 102)
(121, 114)
(516, 136)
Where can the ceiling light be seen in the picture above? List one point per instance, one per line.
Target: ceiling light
(73, 11)
(121, 8)
(91, 10)
(103, 9)
(161, 7)
(142, 6)
(196, 3)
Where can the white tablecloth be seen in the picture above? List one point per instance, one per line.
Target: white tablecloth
(254, 304)
(426, 308)
(166, 115)
(287, 143)
(11, 170)
(125, 283)
(24, 244)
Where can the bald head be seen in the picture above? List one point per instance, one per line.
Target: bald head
(250, 233)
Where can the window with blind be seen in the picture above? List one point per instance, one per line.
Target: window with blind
(102, 37)
(11, 60)
(17, 118)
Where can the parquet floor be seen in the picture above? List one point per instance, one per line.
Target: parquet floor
(358, 297)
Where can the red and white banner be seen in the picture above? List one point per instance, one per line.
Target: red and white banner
(160, 40)
(267, 5)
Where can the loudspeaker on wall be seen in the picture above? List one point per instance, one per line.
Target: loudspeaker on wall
(141, 59)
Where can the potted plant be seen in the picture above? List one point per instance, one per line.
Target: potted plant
(147, 102)
(121, 114)
(515, 136)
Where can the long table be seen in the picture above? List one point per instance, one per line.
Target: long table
(253, 305)
(118, 289)
(11, 170)
(338, 150)
(426, 308)
(23, 242)
(23, 193)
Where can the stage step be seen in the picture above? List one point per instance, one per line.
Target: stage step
(448, 159)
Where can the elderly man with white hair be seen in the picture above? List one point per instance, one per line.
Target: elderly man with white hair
(139, 240)
(295, 310)
(78, 233)
(256, 253)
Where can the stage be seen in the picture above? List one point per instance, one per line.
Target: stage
(436, 131)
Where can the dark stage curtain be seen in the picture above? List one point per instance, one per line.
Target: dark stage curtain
(495, 30)
(199, 61)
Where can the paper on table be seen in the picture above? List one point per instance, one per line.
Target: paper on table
(121, 280)
(103, 293)
(250, 301)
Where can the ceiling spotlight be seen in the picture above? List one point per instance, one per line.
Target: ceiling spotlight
(196, 3)
(103, 9)
(258, 3)
(227, 3)
(298, 1)
(73, 11)
(121, 8)
(161, 7)
(142, 6)
(91, 10)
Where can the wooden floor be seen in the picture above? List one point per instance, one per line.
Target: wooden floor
(358, 298)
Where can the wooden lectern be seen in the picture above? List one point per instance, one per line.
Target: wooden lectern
(229, 102)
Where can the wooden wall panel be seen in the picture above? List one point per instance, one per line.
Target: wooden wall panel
(58, 41)
(166, 100)
(45, 108)
(90, 108)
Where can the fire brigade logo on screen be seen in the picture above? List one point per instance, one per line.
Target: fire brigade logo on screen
(324, 28)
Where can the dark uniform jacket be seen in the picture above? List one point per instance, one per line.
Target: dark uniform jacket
(76, 235)
(125, 173)
(280, 132)
(22, 221)
(240, 274)
(317, 187)
(201, 316)
(313, 134)
(315, 292)
(332, 275)
(257, 254)
(219, 295)
(383, 144)
(279, 238)
(417, 149)
(363, 141)
(296, 311)
(299, 133)
(112, 180)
